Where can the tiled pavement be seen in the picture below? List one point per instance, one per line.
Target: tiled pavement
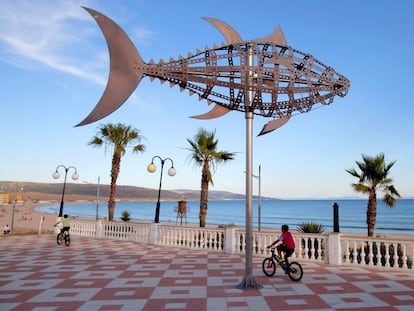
(92, 274)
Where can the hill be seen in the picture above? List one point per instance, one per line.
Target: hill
(75, 192)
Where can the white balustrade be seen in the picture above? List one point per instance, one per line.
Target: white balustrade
(333, 248)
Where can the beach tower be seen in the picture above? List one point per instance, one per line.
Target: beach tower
(181, 211)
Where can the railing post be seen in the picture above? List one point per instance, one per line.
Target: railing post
(153, 234)
(229, 241)
(334, 245)
(99, 229)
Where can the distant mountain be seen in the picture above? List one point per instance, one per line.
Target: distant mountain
(74, 192)
(212, 195)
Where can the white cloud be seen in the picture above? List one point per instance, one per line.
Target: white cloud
(49, 33)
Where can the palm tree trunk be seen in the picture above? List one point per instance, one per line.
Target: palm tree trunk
(371, 213)
(204, 194)
(116, 160)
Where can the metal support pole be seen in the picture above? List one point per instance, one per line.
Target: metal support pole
(249, 281)
(260, 200)
(335, 217)
(97, 200)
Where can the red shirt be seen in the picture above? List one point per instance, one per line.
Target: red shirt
(287, 239)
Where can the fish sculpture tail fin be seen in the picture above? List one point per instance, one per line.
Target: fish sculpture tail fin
(273, 125)
(124, 72)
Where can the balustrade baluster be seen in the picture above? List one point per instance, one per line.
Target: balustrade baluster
(370, 254)
(362, 253)
(347, 252)
(387, 255)
(404, 256)
(395, 256)
(355, 254)
(312, 248)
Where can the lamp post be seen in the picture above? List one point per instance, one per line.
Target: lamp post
(97, 196)
(97, 199)
(14, 206)
(56, 175)
(259, 205)
(171, 171)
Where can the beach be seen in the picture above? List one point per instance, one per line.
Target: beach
(26, 218)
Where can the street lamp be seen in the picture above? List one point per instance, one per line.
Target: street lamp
(171, 171)
(14, 206)
(260, 198)
(56, 175)
(97, 196)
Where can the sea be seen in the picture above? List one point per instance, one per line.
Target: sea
(273, 213)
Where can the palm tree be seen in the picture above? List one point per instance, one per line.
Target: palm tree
(374, 177)
(118, 136)
(204, 153)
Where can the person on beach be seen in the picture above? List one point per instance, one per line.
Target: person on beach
(287, 246)
(64, 222)
(6, 229)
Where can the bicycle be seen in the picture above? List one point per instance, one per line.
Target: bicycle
(63, 236)
(292, 269)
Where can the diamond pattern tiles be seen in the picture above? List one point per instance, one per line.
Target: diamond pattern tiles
(93, 274)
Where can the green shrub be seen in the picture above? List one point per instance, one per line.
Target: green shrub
(310, 227)
(125, 216)
(229, 225)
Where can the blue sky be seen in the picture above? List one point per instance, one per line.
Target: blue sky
(54, 65)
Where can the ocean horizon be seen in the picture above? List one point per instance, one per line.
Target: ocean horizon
(274, 213)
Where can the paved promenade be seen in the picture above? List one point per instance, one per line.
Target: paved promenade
(92, 274)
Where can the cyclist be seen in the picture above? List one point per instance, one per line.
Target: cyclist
(287, 246)
(65, 223)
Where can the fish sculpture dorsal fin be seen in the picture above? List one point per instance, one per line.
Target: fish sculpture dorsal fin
(277, 37)
(231, 35)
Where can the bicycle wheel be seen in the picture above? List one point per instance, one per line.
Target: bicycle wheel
(295, 271)
(269, 266)
(59, 239)
(67, 239)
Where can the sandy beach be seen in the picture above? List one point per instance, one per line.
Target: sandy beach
(26, 218)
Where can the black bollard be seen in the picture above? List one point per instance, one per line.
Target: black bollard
(335, 217)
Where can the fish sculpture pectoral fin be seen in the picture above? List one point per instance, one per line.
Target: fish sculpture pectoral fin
(273, 125)
(216, 112)
(122, 80)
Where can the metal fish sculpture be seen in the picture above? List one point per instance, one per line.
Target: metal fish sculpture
(283, 80)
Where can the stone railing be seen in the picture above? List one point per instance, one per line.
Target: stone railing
(377, 252)
(333, 248)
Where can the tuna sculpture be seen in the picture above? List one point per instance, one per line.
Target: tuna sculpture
(283, 80)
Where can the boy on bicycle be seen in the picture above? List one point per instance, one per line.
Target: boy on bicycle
(287, 246)
(65, 222)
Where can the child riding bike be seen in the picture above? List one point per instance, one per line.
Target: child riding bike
(65, 222)
(287, 246)
(63, 234)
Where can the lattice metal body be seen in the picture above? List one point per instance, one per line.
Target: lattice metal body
(283, 80)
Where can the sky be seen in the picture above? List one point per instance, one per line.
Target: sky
(54, 65)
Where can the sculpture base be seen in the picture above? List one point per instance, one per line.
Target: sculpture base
(249, 282)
